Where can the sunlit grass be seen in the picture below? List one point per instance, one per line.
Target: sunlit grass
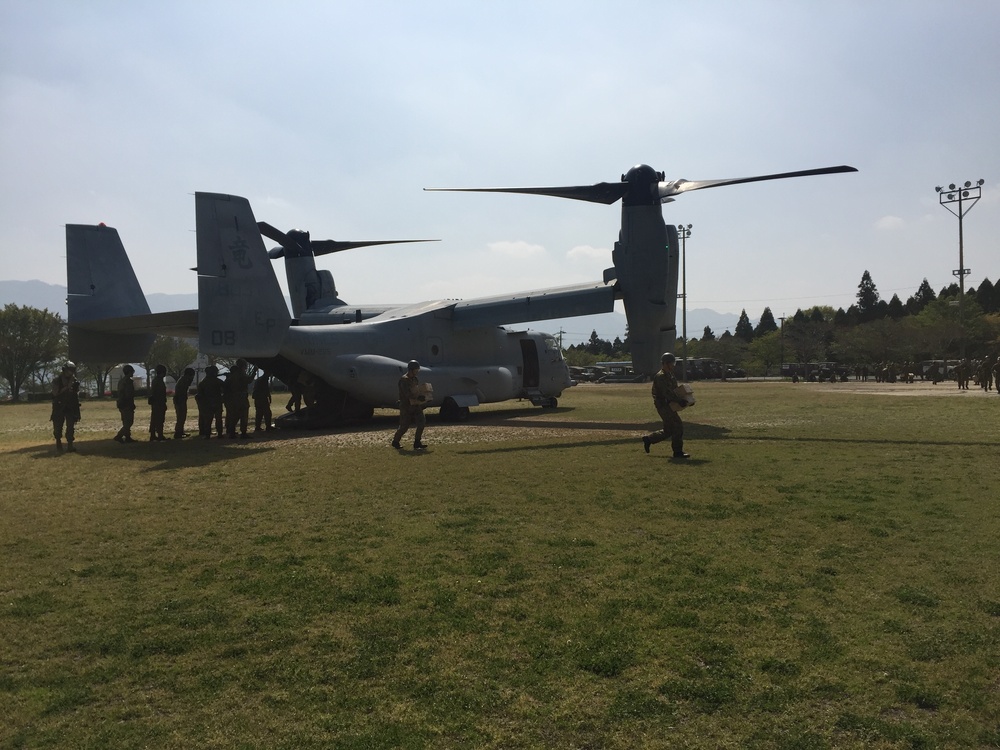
(821, 574)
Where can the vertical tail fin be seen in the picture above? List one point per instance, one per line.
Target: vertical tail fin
(241, 310)
(100, 285)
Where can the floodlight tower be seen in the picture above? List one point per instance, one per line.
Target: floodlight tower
(966, 196)
(683, 232)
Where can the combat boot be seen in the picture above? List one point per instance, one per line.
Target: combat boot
(58, 445)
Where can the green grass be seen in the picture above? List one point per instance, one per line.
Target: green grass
(822, 574)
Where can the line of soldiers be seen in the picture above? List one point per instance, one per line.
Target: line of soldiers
(220, 402)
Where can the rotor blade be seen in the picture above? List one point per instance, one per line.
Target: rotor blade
(668, 189)
(273, 233)
(602, 192)
(322, 247)
(318, 247)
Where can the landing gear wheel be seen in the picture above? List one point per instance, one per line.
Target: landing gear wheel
(452, 412)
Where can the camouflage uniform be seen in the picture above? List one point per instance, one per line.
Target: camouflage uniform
(236, 400)
(262, 403)
(65, 407)
(181, 402)
(157, 404)
(126, 406)
(666, 391)
(411, 409)
(209, 400)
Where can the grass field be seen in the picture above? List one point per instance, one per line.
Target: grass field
(823, 573)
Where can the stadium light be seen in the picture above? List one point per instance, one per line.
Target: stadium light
(965, 197)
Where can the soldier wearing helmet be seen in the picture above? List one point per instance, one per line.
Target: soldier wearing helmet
(668, 400)
(65, 406)
(126, 404)
(209, 400)
(411, 406)
(235, 396)
(157, 404)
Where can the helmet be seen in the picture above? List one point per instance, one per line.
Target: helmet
(413, 365)
(161, 369)
(668, 357)
(69, 366)
(128, 370)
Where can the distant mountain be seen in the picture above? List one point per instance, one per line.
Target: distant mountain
(575, 330)
(38, 294)
(52, 297)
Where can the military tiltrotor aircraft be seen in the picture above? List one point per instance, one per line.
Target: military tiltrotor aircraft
(469, 350)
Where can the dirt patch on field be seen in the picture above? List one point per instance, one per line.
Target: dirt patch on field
(920, 388)
(481, 428)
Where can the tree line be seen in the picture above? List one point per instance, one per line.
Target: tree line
(928, 325)
(34, 346)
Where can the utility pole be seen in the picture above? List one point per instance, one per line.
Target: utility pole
(966, 196)
(781, 338)
(684, 232)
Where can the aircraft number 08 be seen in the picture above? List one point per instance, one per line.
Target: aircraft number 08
(223, 338)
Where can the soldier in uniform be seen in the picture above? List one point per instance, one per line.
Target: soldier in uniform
(236, 399)
(209, 400)
(126, 404)
(65, 406)
(668, 402)
(411, 407)
(262, 402)
(988, 373)
(181, 402)
(157, 404)
(962, 374)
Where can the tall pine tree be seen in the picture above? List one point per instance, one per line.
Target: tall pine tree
(923, 297)
(744, 330)
(766, 325)
(867, 297)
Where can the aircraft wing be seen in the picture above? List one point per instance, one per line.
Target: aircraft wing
(522, 307)
(543, 304)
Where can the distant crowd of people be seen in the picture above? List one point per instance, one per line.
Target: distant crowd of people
(984, 373)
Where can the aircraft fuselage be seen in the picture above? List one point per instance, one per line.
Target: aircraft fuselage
(481, 365)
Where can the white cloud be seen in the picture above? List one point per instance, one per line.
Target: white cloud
(587, 253)
(516, 249)
(889, 223)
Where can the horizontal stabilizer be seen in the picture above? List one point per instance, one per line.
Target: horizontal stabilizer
(182, 324)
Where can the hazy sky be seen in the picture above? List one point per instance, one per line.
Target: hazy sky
(332, 117)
